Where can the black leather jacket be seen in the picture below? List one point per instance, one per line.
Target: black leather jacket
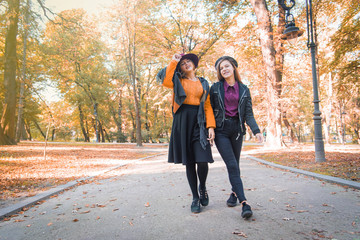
(245, 110)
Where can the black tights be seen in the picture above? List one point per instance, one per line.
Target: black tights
(202, 172)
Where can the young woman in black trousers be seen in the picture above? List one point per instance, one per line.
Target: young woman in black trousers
(231, 102)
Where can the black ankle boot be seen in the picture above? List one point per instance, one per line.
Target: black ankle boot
(195, 206)
(204, 197)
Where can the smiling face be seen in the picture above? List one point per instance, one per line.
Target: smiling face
(187, 65)
(226, 69)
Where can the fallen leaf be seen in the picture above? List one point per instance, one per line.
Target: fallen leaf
(301, 211)
(19, 220)
(85, 212)
(49, 224)
(115, 209)
(28, 225)
(241, 234)
(75, 220)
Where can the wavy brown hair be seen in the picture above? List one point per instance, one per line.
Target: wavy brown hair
(236, 72)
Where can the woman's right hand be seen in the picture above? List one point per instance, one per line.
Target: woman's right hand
(177, 57)
(259, 137)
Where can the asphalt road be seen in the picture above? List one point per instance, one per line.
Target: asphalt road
(150, 199)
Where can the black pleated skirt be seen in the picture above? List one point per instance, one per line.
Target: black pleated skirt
(184, 144)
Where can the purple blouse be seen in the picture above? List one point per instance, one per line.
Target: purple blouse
(231, 99)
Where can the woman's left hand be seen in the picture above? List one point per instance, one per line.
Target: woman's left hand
(211, 136)
(259, 137)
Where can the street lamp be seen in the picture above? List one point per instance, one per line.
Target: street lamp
(290, 32)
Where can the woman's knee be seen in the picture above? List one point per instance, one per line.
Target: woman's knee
(232, 167)
(202, 164)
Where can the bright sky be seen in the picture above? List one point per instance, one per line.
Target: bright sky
(90, 6)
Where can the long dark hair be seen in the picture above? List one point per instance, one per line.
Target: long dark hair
(236, 72)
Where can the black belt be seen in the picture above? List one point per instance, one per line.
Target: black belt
(231, 118)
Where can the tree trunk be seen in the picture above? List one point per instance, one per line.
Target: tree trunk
(107, 135)
(118, 119)
(327, 112)
(279, 67)
(39, 128)
(53, 134)
(81, 115)
(8, 119)
(23, 76)
(96, 124)
(27, 128)
(133, 131)
(101, 130)
(120, 135)
(288, 126)
(87, 130)
(265, 31)
(130, 58)
(137, 115)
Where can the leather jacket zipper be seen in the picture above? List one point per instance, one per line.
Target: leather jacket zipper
(222, 105)
(240, 102)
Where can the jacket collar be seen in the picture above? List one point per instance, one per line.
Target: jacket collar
(222, 90)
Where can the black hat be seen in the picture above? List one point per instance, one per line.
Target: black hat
(191, 57)
(230, 59)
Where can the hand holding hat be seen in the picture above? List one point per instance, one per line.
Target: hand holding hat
(177, 57)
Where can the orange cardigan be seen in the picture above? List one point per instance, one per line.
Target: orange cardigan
(192, 93)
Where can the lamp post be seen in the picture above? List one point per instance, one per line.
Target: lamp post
(291, 32)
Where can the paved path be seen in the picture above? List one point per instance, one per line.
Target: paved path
(150, 200)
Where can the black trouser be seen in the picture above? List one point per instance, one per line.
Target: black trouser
(229, 142)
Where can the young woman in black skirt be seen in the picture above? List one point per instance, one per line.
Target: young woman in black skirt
(232, 105)
(192, 132)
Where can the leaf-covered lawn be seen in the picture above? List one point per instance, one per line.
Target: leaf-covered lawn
(24, 171)
(341, 161)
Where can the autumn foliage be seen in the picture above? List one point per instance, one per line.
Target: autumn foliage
(92, 78)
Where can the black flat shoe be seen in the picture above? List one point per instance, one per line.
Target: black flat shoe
(232, 201)
(204, 197)
(246, 211)
(195, 206)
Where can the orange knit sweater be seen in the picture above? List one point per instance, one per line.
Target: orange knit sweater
(193, 90)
